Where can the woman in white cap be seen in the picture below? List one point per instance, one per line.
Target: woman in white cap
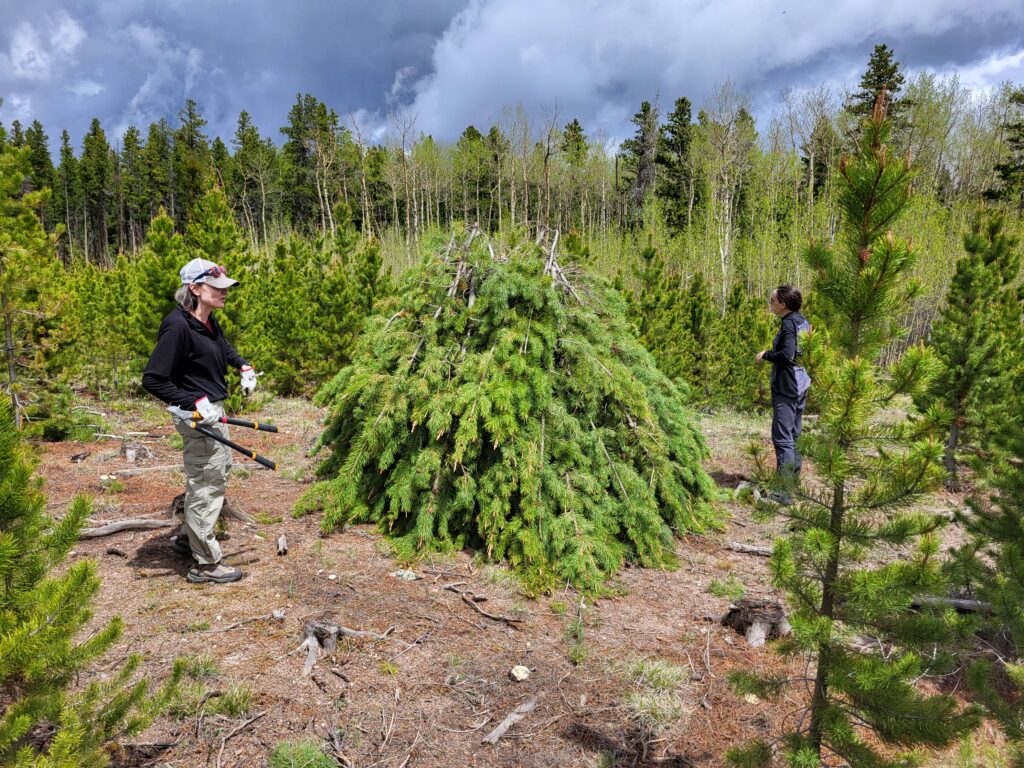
(187, 371)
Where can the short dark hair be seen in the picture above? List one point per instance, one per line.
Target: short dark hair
(789, 296)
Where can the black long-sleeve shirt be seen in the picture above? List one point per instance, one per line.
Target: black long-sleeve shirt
(785, 354)
(189, 361)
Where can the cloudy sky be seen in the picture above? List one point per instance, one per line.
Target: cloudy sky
(450, 63)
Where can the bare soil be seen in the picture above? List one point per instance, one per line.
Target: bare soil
(427, 694)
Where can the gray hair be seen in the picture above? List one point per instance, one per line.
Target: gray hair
(186, 298)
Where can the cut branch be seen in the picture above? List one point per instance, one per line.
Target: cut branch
(135, 524)
(514, 717)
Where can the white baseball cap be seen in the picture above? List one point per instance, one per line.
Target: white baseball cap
(203, 271)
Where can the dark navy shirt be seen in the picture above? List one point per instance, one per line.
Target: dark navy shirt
(785, 355)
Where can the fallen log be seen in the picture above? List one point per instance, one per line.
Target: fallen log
(136, 524)
(749, 549)
(514, 717)
(959, 604)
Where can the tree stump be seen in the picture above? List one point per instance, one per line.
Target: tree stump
(757, 620)
(177, 509)
(135, 452)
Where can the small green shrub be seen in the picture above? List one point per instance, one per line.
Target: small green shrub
(731, 588)
(234, 702)
(659, 675)
(187, 701)
(300, 754)
(559, 607)
(575, 632)
(265, 519)
(201, 666)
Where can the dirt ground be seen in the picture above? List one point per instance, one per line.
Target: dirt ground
(428, 693)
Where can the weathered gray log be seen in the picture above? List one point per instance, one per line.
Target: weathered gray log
(135, 524)
(514, 717)
(966, 606)
(282, 545)
(757, 620)
(749, 549)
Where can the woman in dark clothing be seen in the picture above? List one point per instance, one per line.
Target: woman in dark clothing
(187, 371)
(790, 383)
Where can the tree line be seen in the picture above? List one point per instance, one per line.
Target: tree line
(713, 176)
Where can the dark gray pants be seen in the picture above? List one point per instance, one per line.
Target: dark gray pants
(787, 422)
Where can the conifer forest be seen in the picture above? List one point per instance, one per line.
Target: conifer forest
(522, 428)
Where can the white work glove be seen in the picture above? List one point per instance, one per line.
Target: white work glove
(207, 412)
(181, 413)
(248, 380)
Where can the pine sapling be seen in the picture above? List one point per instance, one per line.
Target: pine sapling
(872, 465)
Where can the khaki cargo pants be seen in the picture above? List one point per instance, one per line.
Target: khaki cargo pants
(207, 464)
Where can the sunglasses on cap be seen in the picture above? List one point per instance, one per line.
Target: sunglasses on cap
(215, 271)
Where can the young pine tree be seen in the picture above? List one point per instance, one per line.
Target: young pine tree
(970, 336)
(500, 404)
(153, 279)
(41, 616)
(657, 310)
(996, 528)
(734, 379)
(872, 466)
(28, 265)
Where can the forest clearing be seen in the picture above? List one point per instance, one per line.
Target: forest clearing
(440, 682)
(704, 450)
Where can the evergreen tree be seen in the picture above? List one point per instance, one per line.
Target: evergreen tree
(969, 336)
(498, 404)
(698, 323)
(574, 145)
(872, 467)
(212, 232)
(17, 136)
(735, 382)
(820, 156)
(311, 163)
(133, 187)
(300, 309)
(41, 616)
(42, 175)
(677, 181)
(27, 265)
(67, 193)
(883, 75)
(153, 279)
(157, 161)
(192, 162)
(658, 311)
(995, 525)
(1010, 170)
(640, 155)
(96, 171)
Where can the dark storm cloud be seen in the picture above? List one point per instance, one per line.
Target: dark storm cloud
(450, 63)
(129, 62)
(598, 60)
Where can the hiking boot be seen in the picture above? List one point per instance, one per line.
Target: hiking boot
(180, 545)
(218, 573)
